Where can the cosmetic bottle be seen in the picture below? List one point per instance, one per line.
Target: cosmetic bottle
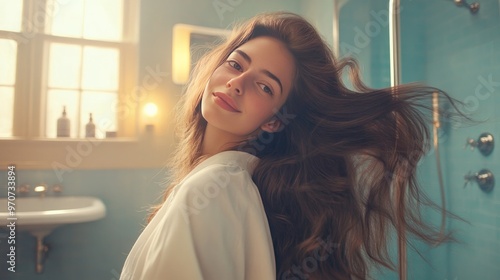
(63, 125)
(90, 128)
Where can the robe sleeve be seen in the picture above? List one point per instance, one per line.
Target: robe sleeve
(214, 227)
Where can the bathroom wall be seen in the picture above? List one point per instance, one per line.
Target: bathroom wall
(447, 47)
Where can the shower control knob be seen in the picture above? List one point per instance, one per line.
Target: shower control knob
(473, 7)
(484, 178)
(485, 143)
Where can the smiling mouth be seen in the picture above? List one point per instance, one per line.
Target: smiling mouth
(224, 102)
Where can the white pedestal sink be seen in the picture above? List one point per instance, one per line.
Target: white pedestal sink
(41, 215)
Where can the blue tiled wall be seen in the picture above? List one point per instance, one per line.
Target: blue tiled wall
(450, 48)
(462, 53)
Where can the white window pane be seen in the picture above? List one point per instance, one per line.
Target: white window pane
(64, 65)
(56, 100)
(6, 111)
(103, 20)
(10, 15)
(8, 57)
(66, 18)
(101, 105)
(100, 68)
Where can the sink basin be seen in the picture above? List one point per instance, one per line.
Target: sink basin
(43, 214)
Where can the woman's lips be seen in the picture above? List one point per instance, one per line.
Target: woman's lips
(225, 102)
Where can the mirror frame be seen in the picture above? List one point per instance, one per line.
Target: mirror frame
(181, 48)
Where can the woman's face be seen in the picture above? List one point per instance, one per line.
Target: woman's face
(244, 93)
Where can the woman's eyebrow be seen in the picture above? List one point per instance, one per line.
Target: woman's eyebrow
(266, 72)
(244, 55)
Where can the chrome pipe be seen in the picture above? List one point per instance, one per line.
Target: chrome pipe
(394, 42)
(436, 124)
(336, 29)
(337, 6)
(395, 49)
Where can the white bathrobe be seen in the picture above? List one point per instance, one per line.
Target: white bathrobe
(213, 226)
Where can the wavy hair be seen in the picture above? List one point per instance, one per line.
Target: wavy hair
(341, 173)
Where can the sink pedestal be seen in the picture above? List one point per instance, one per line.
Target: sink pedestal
(41, 250)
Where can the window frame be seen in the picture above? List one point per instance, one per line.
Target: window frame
(29, 92)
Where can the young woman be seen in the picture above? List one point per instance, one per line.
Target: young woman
(282, 172)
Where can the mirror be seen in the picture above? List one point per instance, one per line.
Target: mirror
(189, 44)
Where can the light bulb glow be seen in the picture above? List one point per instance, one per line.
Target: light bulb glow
(150, 109)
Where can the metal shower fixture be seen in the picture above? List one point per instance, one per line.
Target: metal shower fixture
(473, 8)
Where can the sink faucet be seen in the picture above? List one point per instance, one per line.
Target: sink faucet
(41, 189)
(23, 189)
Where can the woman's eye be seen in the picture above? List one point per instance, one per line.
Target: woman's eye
(235, 65)
(266, 89)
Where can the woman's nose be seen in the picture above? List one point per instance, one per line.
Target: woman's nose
(235, 85)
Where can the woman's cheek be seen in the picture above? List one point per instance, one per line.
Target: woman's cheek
(219, 75)
(263, 112)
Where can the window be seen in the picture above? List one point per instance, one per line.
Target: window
(8, 54)
(10, 20)
(78, 55)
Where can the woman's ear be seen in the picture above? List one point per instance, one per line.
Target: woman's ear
(271, 126)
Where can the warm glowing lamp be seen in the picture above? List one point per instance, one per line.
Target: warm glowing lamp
(150, 110)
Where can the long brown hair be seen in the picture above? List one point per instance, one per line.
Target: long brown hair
(327, 179)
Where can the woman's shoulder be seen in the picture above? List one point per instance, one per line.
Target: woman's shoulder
(223, 182)
(219, 176)
(222, 167)
(231, 160)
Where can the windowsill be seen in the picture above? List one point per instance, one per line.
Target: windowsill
(144, 151)
(69, 139)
